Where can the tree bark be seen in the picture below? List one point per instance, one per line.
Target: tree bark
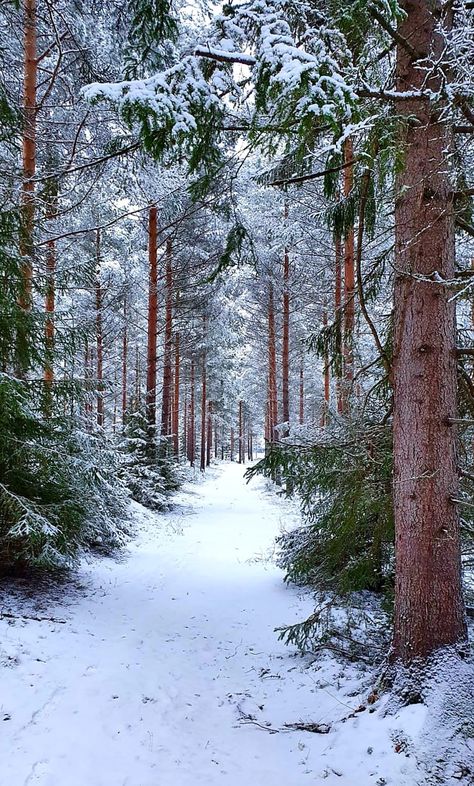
(124, 360)
(429, 611)
(29, 145)
(338, 316)
(326, 377)
(51, 211)
(209, 434)
(177, 369)
(168, 348)
(349, 283)
(285, 387)
(152, 318)
(272, 375)
(99, 334)
(241, 433)
(203, 412)
(301, 406)
(191, 420)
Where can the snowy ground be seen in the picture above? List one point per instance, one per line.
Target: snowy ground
(164, 658)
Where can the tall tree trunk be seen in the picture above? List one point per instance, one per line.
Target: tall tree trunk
(209, 434)
(30, 72)
(326, 377)
(175, 427)
(152, 318)
(301, 407)
(272, 365)
(285, 386)
(241, 433)
(124, 360)
(168, 348)
(99, 334)
(349, 282)
(232, 443)
(203, 412)
(51, 211)
(191, 420)
(428, 600)
(338, 315)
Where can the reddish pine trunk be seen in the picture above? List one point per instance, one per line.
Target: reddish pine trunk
(428, 600)
(152, 318)
(175, 427)
(99, 336)
(168, 348)
(203, 412)
(349, 283)
(124, 361)
(272, 375)
(338, 317)
(29, 145)
(285, 387)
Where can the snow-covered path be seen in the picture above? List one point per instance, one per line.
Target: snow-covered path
(162, 655)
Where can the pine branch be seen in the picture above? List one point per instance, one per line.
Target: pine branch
(393, 33)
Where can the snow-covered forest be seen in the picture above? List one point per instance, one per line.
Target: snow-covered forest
(236, 392)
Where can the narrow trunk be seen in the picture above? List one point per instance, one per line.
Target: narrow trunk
(152, 318)
(339, 319)
(51, 210)
(272, 376)
(232, 443)
(175, 427)
(301, 408)
(209, 435)
(203, 412)
(349, 282)
(124, 360)
(168, 348)
(191, 420)
(99, 335)
(428, 599)
(241, 433)
(325, 411)
(285, 381)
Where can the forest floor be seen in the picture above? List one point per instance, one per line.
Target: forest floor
(162, 668)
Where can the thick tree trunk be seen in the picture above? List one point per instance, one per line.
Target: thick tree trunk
(428, 600)
(152, 318)
(177, 369)
(349, 283)
(29, 144)
(99, 334)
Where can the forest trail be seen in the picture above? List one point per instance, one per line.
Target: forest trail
(164, 655)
